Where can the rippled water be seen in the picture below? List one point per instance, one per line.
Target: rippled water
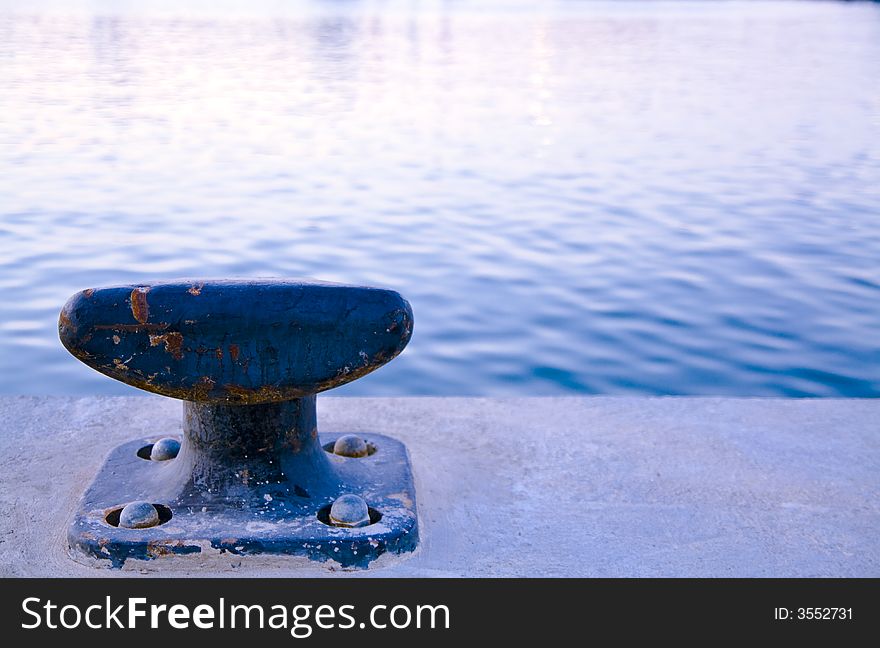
(637, 197)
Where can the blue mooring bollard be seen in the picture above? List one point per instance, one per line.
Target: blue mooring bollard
(250, 474)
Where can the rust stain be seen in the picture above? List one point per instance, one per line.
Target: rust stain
(264, 394)
(233, 352)
(196, 290)
(219, 353)
(347, 374)
(88, 292)
(64, 322)
(139, 307)
(173, 343)
(119, 364)
(159, 548)
(203, 388)
(131, 328)
(82, 355)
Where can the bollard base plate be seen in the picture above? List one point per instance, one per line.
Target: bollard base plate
(269, 519)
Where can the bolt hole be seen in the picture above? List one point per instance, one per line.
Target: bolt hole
(162, 450)
(371, 449)
(112, 518)
(324, 514)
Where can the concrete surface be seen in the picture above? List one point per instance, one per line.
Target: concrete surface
(521, 487)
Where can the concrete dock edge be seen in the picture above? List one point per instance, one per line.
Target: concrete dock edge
(575, 486)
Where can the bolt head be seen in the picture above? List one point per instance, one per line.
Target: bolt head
(165, 449)
(350, 446)
(139, 515)
(349, 511)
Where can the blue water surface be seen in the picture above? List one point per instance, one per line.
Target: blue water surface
(576, 197)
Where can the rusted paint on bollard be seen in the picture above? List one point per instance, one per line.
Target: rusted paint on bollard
(249, 342)
(251, 474)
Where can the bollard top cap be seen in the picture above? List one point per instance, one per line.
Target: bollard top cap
(235, 341)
